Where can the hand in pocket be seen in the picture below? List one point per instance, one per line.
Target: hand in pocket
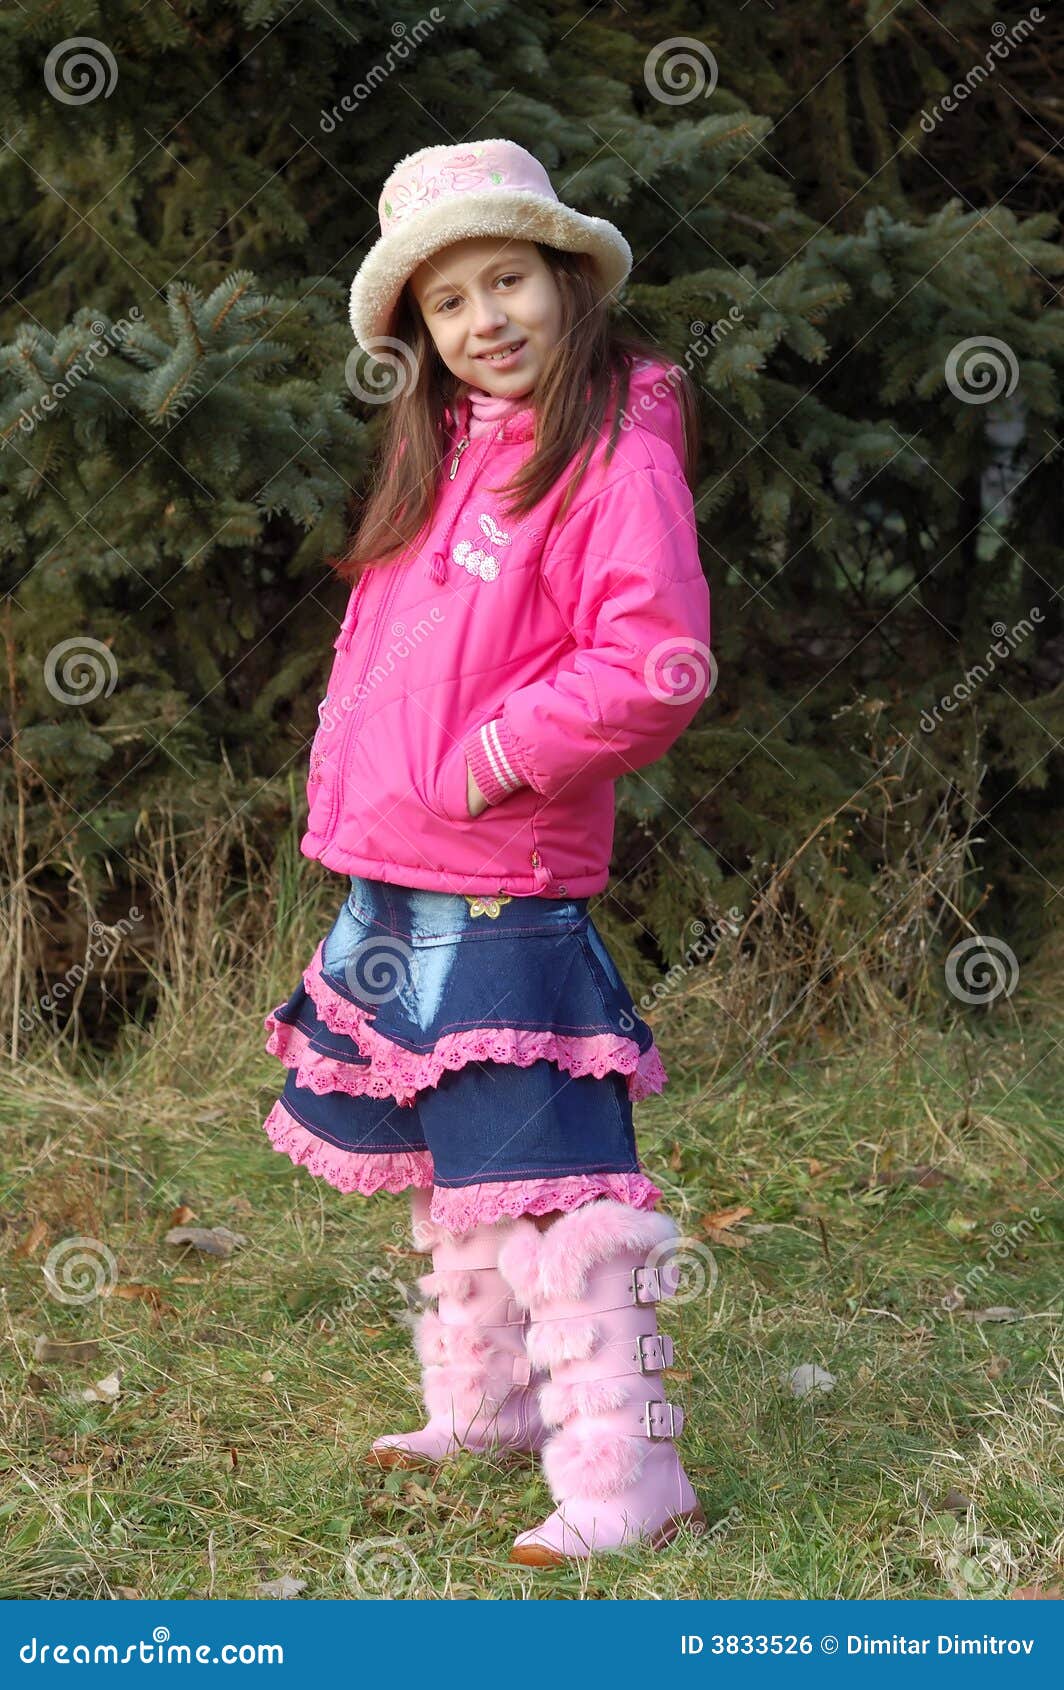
(475, 799)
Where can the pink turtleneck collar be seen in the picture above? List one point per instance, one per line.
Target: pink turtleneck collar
(487, 410)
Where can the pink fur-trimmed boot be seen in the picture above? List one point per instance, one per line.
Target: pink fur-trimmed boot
(611, 1465)
(479, 1387)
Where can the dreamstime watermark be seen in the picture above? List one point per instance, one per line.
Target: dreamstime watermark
(1006, 640)
(381, 1567)
(706, 942)
(89, 670)
(983, 1568)
(79, 70)
(379, 969)
(679, 670)
(680, 69)
(104, 941)
(78, 1270)
(407, 39)
(105, 339)
(405, 643)
(703, 343)
(982, 969)
(159, 1650)
(1008, 36)
(685, 1267)
(981, 369)
(382, 372)
(364, 1291)
(1008, 1236)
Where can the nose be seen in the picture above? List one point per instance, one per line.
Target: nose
(488, 316)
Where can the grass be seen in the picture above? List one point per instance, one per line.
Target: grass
(250, 1385)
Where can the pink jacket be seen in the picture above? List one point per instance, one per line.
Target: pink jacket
(548, 656)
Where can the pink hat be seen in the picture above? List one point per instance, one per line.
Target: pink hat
(445, 194)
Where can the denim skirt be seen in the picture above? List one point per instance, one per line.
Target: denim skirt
(481, 1049)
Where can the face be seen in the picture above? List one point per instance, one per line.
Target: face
(481, 294)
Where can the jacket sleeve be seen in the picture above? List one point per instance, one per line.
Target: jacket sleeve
(625, 574)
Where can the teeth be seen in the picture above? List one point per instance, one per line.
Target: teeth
(492, 357)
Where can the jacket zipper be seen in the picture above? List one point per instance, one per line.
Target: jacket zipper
(345, 743)
(542, 874)
(371, 652)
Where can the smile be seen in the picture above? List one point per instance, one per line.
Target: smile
(504, 352)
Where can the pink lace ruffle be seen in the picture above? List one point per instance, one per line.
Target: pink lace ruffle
(322, 1073)
(405, 1073)
(479, 1205)
(366, 1172)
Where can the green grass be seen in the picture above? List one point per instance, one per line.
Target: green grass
(232, 1454)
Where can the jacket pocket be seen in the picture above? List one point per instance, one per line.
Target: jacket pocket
(445, 790)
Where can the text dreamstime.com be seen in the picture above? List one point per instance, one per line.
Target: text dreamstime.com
(157, 1649)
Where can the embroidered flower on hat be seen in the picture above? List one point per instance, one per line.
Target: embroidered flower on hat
(423, 184)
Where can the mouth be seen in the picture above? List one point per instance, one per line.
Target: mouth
(502, 354)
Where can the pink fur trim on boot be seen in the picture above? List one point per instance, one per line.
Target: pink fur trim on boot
(591, 1283)
(477, 1383)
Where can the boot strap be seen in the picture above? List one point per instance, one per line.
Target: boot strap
(656, 1420)
(514, 1316)
(651, 1352)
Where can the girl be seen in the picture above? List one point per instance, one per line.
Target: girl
(528, 621)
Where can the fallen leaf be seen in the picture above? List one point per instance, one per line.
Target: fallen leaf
(419, 1494)
(809, 1377)
(999, 1313)
(133, 1293)
(814, 1166)
(954, 1502)
(676, 1157)
(213, 1240)
(127, 1592)
(37, 1383)
(1037, 1593)
(958, 1225)
(186, 1279)
(181, 1215)
(997, 1366)
(267, 1378)
(725, 1217)
(104, 1390)
(283, 1589)
(37, 1234)
(54, 1349)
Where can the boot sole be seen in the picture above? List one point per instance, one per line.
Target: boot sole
(539, 1555)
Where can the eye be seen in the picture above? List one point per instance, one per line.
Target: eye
(511, 276)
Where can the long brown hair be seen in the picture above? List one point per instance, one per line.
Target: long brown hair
(572, 397)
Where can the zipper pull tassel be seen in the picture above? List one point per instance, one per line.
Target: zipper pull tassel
(462, 444)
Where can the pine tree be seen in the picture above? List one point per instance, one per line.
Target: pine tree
(183, 441)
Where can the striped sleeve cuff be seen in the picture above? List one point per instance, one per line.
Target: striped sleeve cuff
(494, 761)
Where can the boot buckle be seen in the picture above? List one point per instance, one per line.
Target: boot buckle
(674, 1414)
(664, 1352)
(646, 1279)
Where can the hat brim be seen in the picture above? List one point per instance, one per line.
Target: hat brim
(520, 213)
